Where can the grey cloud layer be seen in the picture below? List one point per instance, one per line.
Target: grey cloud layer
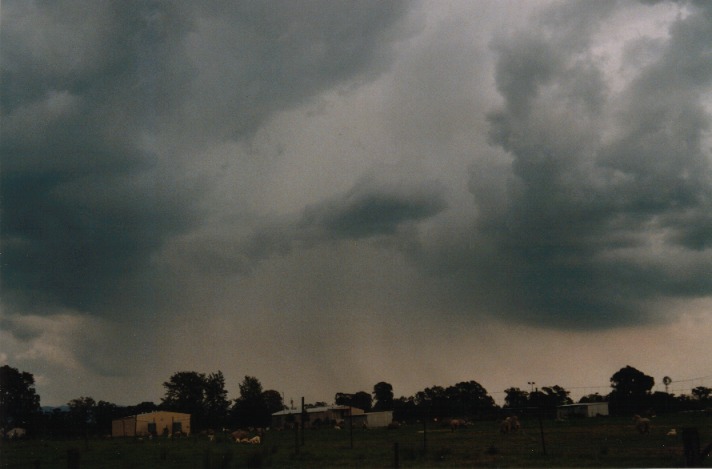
(609, 198)
(102, 101)
(600, 201)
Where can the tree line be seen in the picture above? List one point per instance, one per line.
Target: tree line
(205, 398)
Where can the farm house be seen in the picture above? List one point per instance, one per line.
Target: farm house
(152, 423)
(590, 409)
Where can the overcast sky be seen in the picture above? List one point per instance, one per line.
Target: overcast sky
(328, 194)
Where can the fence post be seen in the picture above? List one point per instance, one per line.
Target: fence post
(425, 435)
(73, 457)
(691, 440)
(304, 414)
(351, 427)
(541, 431)
(396, 462)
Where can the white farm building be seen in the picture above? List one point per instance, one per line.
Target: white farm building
(329, 415)
(589, 409)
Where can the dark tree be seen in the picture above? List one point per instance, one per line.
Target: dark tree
(140, 408)
(592, 398)
(82, 416)
(383, 394)
(105, 413)
(185, 392)
(555, 396)
(273, 401)
(515, 398)
(315, 405)
(216, 404)
(250, 409)
(405, 409)
(203, 397)
(19, 403)
(57, 423)
(363, 401)
(342, 398)
(631, 390)
(702, 393)
(663, 402)
(432, 402)
(468, 399)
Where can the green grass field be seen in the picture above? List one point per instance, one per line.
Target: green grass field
(600, 442)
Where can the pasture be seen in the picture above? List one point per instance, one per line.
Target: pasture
(597, 442)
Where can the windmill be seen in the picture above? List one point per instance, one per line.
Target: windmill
(666, 382)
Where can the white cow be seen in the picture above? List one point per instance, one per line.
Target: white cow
(16, 432)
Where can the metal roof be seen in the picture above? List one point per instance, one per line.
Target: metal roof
(582, 404)
(312, 410)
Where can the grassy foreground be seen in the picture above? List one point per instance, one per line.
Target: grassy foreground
(600, 442)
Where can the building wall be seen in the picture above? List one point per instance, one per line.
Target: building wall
(582, 410)
(323, 415)
(124, 427)
(379, 419)
(158, 423)
(598, 408)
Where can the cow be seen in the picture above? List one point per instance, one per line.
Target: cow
(510, 424)
(16, 432)
(642, 424)
(238, 435)
(457, 423)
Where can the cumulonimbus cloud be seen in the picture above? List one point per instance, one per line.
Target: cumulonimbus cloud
(608, 197)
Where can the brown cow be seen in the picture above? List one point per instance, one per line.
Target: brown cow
(457, 423)
(238, 435)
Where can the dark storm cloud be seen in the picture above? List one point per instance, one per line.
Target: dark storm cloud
(600, 180)
(82, 203)
(369, 210)
(90, 92)
(260, 57)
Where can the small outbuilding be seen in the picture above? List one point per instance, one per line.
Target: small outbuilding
(159, 423)
(379, 419)
(315, 416)
(318, 416)
(589, 409)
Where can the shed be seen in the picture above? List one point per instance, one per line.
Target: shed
(371, 419)
(315, 416)
(589, 409)
(379, 419)
(152, 423)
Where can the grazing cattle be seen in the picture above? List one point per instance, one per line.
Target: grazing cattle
(242, 436)
(16, 432)
(238, 435)
(510, 424)
(672, 432)
(457, 423)
(642, 424)
(515, 423)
